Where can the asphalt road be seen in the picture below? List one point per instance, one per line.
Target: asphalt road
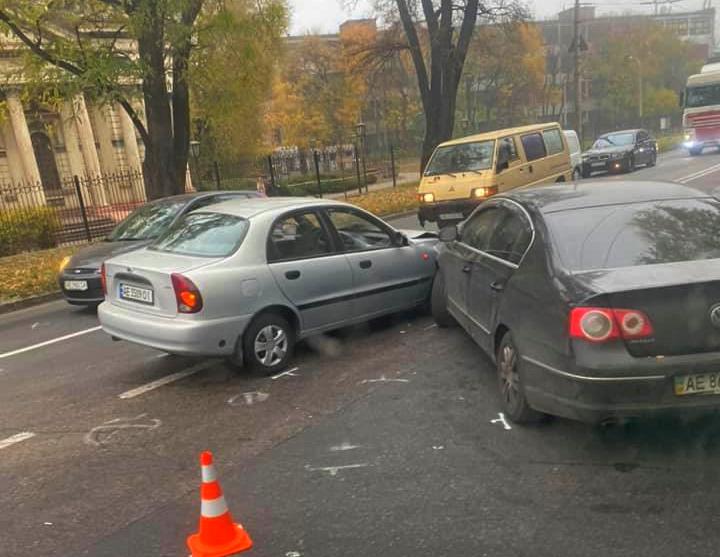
(383, 441)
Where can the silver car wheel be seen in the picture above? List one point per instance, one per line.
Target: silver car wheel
(271, 345)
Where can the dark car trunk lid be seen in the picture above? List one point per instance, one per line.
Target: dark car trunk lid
(677, 297)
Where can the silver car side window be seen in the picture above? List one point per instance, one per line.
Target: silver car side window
(298, 236)
(357, 232)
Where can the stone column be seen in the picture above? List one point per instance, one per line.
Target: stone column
(132, 151)
(104, 138)
(22, 138)
(15, 164)
(72, 140)
(89, 151)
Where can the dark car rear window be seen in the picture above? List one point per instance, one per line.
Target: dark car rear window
(204, 235)
(636, 234)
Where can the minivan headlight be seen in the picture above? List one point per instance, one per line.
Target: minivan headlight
(426, 197)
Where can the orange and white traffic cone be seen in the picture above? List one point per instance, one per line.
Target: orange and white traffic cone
(218, 535)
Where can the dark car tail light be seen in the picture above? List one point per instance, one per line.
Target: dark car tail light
(103, 279)
(187, 294)
(603, 324)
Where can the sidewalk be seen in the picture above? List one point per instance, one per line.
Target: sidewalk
(402, 178)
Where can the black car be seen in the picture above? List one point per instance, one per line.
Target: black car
(597, 301)
(620, 151)
(79, 275)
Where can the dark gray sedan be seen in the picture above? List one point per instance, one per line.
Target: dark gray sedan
(79, 275)
(596, 300)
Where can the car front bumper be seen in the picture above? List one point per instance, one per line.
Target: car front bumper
(591, 396)
(606, 165)
(90, 297)
(179, 335)
(448, 210)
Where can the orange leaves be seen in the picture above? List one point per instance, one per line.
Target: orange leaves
(30, 274)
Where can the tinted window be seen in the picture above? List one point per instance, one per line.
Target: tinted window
(461, 158)
(204, 235)
(508, 143)
(511, 237)
(637, 234)
(553, 141)
(477, 232)
(573, 143)
(615, 139)
(643, 136)
(298, 236)
(358, 232)
(147, 222)
(534, 146)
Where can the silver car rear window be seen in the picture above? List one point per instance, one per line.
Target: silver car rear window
(204, 235)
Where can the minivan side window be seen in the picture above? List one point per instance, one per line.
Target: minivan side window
(509, 144)
(534, 146)
(553, 141)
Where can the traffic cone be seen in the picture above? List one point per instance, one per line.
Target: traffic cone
(218, 535)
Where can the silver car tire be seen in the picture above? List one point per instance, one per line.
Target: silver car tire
(268, 344)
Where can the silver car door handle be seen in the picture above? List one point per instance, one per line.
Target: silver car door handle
(366, 264)
(292, 275)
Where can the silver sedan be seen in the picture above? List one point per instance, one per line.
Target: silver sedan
(246, 279)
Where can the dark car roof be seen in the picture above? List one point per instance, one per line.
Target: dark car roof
(621, 131)
(563, 197)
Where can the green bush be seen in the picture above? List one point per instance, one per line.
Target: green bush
(27, 230)
(337, 185)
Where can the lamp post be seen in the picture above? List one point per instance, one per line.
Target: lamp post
(640, 85)
(195, 153)
(361, 129)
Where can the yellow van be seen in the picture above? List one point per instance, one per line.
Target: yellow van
(464, 172)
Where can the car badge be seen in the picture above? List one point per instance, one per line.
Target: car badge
(452, 188)
(77, 271)
(715, 316)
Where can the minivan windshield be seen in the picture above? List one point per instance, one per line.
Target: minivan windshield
(147, 222)
(463, 157)
(204, 235)
(636, 234)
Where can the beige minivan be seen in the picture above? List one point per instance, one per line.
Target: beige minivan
(464, 172)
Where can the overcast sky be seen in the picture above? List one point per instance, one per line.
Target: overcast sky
(325, 16)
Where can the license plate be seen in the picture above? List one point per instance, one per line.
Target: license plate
(448, 216)
(597, 164)
(136, 294)
(698, 384)
(77, 285)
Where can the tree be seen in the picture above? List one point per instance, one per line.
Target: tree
(103, 48)
(447, 32)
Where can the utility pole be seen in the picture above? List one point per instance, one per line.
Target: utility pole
(576, 62)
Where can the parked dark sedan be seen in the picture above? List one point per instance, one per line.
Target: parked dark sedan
(79, 275)
(596, 300)
(620, 151)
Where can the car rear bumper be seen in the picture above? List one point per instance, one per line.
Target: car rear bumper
(187, 337)
(592, 398)
(448, 210)
(90, 297)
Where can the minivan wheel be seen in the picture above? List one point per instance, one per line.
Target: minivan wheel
(438, 302)
(268, 344)
(512, 393)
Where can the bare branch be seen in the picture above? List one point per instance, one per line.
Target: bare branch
(415, 52)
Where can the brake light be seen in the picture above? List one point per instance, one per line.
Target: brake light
(103, 279)
(187, 294)
(604, 324)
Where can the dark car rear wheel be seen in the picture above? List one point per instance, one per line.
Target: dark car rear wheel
(653, 160)
(629, 164)
(268, 344)
(438, 302)
(512, 393)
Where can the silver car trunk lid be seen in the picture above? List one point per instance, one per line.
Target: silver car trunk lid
(142, 281)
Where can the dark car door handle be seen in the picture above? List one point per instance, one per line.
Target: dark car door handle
(497, 286)
(292, 275)
(366, 264)
(467, 268)
(530, 168)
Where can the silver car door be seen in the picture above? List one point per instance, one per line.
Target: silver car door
(388, 274)
(313, 276)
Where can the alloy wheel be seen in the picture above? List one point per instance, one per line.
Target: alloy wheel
(271, 345)
(509, 378)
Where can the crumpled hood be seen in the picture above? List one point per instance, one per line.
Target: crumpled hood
(93, 256)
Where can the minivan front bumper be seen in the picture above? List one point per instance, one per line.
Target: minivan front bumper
(453, 210)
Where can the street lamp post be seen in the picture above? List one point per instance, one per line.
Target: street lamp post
(195, 153)
(361, 129)
(640, 85)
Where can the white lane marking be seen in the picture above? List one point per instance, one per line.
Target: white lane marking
(333, 470)
(49, 342)
(430, 327)
(699, 174)
(288, 373)
(132, 393)
(34, 326)
(250, 398)
(438, 447)
(17, 438)
(384, 379)
(344, 446)
(48, 523)
(501, 420)
(101, 434)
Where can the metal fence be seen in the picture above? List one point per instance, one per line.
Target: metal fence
(81, 210)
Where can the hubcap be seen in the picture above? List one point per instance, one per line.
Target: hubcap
(509, 378)
(271, 345)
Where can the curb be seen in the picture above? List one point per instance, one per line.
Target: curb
(399, 215)
(30, 302)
